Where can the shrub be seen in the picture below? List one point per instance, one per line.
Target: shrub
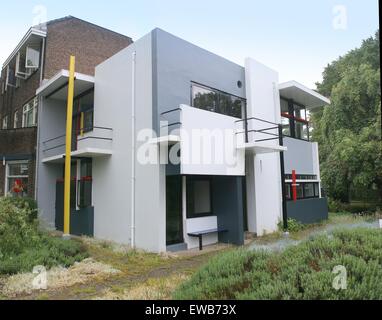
(293, 225)
(299, 272)
(17, 228)
(23, 246)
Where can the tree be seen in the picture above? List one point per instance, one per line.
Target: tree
(349, 130)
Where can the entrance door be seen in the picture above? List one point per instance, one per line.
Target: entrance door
(174, 219)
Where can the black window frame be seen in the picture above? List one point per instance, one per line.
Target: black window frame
(85, 183)
(78, 109)
(291, 116)
(190, 193)
(316, 187)
(218, 94)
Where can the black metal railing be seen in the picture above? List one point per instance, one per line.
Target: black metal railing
(75, 138)
(263, 131)
(171, 124)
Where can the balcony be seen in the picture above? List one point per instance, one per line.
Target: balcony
(216, 144)
(97, 142)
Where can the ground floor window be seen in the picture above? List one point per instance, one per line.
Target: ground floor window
(81, 183)
(17, 174)
(304, 190)
(85, 184)
(199, 199)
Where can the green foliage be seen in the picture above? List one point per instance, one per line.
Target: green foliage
(349, 130)
(364, 208)
(304, 271)
(23, 246)
(293, 225)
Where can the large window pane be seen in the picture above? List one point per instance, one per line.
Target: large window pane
(18, 187)
(300, 191)
(85, 184)
(17, 179)
(285, 122)
(202, 197)
(32, 58)
(204, 99)
(30, 114)
(308, 190)
(316, 190)
(217, 101)
(299, 112)
(18, 169)
(284, 106)
(230, 105)
(302, 130)
(198, 197)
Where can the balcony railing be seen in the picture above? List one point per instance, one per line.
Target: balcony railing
(255, 129)
(91, 137)
(260, 130)
(172, 117)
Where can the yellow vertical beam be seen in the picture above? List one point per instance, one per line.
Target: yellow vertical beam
(68, 146)
(82, 124)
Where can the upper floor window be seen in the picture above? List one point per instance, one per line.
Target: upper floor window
(30, 114)
(294, 120)
(10, 80)
(217, 101)
(83, 113)
(16, 119)
(5, 123)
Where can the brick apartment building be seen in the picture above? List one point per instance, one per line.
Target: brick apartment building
(42, 53)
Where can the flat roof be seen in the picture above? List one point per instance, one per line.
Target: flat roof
(57, 86)
(303, 95)
(32, 34)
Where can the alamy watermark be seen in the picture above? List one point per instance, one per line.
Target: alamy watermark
(340, 17)
(214, 146)
(340, 280)
(40, 16)
(40, 281)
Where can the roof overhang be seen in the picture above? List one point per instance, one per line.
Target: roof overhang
(57, 87)
(32, 35)
(299, 93)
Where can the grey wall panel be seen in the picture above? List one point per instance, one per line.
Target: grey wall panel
(227, 200)
(179, 62)
(308, 210)
(299, 156)
(52, 115)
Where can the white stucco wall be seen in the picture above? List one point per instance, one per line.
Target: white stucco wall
(209, 144)
(112, 176)
(263, 102)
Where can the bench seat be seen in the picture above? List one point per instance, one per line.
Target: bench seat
(200, 234)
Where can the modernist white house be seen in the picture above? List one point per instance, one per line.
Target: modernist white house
(218, 123)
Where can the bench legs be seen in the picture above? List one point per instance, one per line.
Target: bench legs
(200, 242)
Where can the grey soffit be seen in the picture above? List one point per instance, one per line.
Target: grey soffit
(303, 95)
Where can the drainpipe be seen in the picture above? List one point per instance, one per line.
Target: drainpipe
(283, 191)
(39, 111)
(133, 151)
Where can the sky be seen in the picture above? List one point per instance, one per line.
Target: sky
(298, 38)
